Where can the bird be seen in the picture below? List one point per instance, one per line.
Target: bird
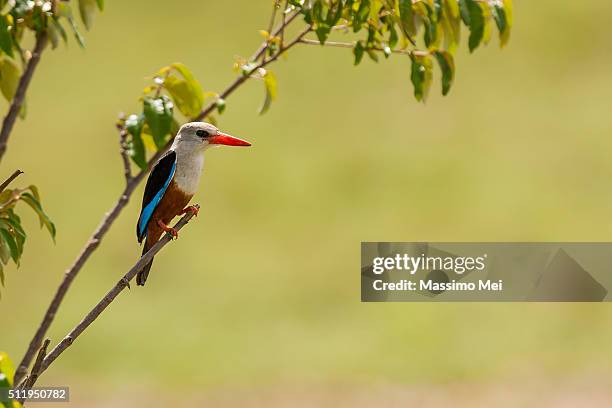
(173, 181)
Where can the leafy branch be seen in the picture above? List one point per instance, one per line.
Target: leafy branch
(390, 27)
(107, 221)
(12, 234)
(44, 20)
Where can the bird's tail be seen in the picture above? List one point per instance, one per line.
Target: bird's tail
(141, 278)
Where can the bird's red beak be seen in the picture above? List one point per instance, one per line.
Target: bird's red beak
(225, 139)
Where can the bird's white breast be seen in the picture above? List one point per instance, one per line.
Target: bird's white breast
(188, 171)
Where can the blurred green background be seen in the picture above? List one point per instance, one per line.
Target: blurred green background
(258, 302)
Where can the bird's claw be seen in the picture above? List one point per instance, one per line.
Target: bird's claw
(168, 229)
(191, 209)
(173, 232)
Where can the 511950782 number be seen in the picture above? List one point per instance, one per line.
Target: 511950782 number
(37, 394)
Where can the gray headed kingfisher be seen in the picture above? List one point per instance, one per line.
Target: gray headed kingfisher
(173, 181)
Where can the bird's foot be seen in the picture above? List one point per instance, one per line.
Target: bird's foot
(168, 229)
(191, 209)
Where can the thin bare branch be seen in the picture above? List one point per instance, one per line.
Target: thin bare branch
(17, 102)
(340, 44)
(9, 180)
(123, 150)
(97, 310)
(31, 379)
(275, 7)
(282, 28)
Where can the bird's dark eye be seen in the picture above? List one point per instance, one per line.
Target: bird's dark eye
(201, 133)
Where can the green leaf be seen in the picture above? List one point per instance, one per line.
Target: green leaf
(158, 115)
(42, 216)
(195, 89)
(134, 125)
(429, 17)
(56, 30)
(322, 32)
(372, 54)
(465, 12)
(183, 96)
(4, 383)
(12, 226)
(10, 73)
(2, 275)
(447, 66)
(87, 8)
(34, 191)
(12, 245)
(421, 77)
(392, 36)
(502, 13)
(6, 39)
(477, 23)
(271, 91)
(358, 52)
(100, 4)
(64, 10)
(5, 253)
(407, 18)
(39, 19)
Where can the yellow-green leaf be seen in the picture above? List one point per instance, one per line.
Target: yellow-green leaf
(87, 8)
(197, 94)
(187, 102)
(10, 73)
(271, 91)
(42, 216)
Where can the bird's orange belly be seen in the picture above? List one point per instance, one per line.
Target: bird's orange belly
(173, 202)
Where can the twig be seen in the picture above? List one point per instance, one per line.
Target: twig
(9, 180)
(108, 298)
(271, 26)
(241, 79)
(24, 82)
(110, 217)
(282, 30)
(127, 169)
(308, 41)
(31, 379)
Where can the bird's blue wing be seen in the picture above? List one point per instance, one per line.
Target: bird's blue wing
(158, 182)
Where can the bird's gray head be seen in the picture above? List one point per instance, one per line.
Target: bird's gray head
(197, 136)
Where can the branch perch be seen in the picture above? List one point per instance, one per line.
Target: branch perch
(110, 217)
(340, 44)
(105, 301)
(24, 82)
